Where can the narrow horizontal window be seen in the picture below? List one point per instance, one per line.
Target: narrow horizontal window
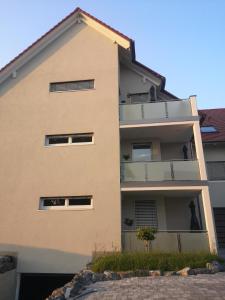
(71, 85)
(54, 140)
(82, 138)
(77, 201)
(53, 202)
(72, 202)
(208, 129)
(69, 139)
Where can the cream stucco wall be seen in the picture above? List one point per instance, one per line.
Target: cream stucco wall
(61, 241)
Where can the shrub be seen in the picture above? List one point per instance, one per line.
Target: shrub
(146, 234)
(128, 261)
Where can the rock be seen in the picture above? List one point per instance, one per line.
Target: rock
(86, 276)
(200, 271)
(97, 277)
(215, 267)
(77, 286)
(184, 271)
(57, 294)
(169, 273)
(7, 263)
(155, 273)
(127, 274)
(109, 275)
(141, 273)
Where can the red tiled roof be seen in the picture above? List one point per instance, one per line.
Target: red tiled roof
(79, 10)
(216, 118)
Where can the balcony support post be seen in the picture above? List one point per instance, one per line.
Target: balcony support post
(199, 150)
(209, 220)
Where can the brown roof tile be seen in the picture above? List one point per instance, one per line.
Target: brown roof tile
(216, 118)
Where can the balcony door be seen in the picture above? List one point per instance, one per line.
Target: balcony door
(141, 152)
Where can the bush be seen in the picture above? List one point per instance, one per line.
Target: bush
(146, 234)
(128, 261)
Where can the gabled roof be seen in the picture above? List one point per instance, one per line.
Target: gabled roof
(215, 118)
(123, 40)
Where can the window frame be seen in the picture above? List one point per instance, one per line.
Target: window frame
(66, 206)
(144, 143)
(70, 137)
(71, 90)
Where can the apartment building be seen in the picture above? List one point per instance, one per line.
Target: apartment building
(213, 137)
(93, 147)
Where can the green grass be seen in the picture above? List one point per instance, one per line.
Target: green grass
(128, 261)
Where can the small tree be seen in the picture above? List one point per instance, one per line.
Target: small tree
(146, 234)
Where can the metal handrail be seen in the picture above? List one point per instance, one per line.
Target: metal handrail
(154, 102)
(171, 231)
(155, 161)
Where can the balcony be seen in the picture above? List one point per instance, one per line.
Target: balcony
(160, 170)
(168, 241)
(156, 111)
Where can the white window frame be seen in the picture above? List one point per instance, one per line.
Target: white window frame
(42, 207)
(70, 137)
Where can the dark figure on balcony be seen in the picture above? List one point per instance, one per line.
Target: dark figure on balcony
(194, 220)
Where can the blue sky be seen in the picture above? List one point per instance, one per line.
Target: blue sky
(182, 40)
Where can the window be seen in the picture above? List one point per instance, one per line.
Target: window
(71, 85)
(74, 202)
(153, 93)
(145, 213)
(139, 97)
(69, 139)
(141, 152)
(208, 129)
(216, 170)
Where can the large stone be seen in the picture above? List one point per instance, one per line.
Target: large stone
(7, 263)
(169, 273)
(77, 287)
(215, 266)
(155, 273)
(109, 275)
(141, 273)
(184, 271)
(126, 274)
(200, 271)
(97, 277)
(86, 275)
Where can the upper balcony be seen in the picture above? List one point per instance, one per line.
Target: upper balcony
(158, 111)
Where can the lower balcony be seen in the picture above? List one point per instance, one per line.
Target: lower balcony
(160, 170)
(178, 216)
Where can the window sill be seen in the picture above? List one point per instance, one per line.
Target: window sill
(72, 91)
(67, 145)
(66, 209)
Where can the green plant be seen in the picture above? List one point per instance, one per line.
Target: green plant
(131, 261)
(146, 234)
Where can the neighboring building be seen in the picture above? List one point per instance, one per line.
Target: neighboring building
(213, 137)
(92, 147)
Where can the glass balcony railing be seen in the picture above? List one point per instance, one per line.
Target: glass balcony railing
(156, 110)
(168, 241)
(160, 170)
